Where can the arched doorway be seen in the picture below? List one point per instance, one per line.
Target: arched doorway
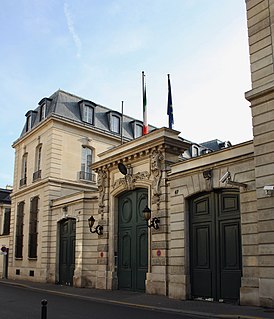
(215, 246)
(67, 251)
(132, 241)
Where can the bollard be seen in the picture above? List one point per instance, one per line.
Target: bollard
(44, 303)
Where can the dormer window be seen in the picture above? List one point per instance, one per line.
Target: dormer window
(42, 111)
(87, 109)
(115, 124)
(137, 128)
(44, 104)
(88, 114)
(195, 151)
(28, 123)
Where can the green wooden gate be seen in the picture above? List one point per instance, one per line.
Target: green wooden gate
(133, 241)
(67, 251)
(215, 245)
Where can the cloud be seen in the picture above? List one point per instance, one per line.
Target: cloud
(72, 31)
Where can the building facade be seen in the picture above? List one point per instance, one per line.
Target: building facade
(5, 213)
(59, 143)
(81, 197)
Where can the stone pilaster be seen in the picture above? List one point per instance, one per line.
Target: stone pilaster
(258, 287)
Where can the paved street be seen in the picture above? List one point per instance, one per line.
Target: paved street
(23, 303)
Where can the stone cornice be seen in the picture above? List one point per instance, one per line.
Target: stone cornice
(258, 95)
(54, 117)
(164, 140)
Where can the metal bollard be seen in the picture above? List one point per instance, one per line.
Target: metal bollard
(44, 303)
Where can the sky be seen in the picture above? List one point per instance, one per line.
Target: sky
(97, 49)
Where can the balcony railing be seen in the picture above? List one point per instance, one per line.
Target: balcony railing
(87, 176)
(36, 175)
(23, 181)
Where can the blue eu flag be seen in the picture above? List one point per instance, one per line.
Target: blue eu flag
(169, 105)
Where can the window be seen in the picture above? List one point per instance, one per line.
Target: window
(115, 124)
(42, 111)
(19, 231)
(37, 173)
(6, 222)
(23, 180)
(88, 112)
(28, 124)
(139, 130)
(86, 172)
(33, 223)
(195, 151)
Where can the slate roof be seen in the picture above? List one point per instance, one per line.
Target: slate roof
(5, 196)
(66, 105)
(216, 145)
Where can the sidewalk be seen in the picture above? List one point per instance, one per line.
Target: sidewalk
(203, 309)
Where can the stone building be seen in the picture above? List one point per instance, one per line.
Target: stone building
(59, 143)
(5, 212)
(210, 227)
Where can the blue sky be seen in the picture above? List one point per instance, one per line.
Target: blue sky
(97, 49)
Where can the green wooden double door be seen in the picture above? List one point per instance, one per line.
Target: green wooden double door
(215, 246)
(67, 251)
(132, 241)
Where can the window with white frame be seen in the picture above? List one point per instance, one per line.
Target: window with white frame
(28, 125)
(139, 130)
(86, 161)
(42, 111)
(88, 112)
(23, 180)
(195, 151)
(38, 154)
(115, 124)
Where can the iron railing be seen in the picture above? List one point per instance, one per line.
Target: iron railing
(36, 175)
(87, 176)
(23, 181)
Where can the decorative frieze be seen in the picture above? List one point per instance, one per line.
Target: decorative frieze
(157, 159)
(101, 182)
(128, 182)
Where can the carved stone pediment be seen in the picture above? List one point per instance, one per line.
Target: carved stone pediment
(128, 182)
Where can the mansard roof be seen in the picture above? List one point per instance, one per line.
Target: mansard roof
(67, 106)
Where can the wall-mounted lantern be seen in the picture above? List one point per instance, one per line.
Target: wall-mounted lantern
(98, 229)
(154, 222)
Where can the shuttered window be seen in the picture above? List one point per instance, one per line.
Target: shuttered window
(6, 224)
(19, 231)
(33, 221)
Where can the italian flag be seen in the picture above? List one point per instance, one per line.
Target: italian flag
(145, 125)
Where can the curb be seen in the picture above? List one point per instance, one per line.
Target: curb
(133, 305)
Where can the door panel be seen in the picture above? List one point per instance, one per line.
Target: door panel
(67, 251)
(230, 260)
(132, 242)
(215, 245)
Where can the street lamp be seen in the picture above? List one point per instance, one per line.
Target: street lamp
(154, 222)
(98, 229)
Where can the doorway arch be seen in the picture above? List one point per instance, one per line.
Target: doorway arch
(132, 240)
(215, 245)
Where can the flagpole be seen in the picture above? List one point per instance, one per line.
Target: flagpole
(169, 104)
(122, 122)
(145, 125)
